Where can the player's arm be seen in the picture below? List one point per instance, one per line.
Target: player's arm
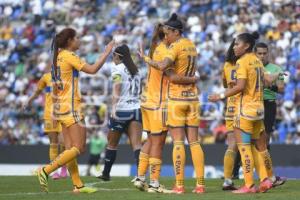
(40, 86)
(179, 79)
(239, 87)
(117, 79)
(92, 69)
(224, 80)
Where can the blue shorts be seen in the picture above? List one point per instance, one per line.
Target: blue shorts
(124, 117)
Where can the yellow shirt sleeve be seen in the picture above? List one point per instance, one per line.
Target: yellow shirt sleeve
(75, 61)
(241, 72)
(42, 83)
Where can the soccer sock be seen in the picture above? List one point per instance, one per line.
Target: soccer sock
(198, 162)
(247, 163)
(143, 164)
(229, 159)
(62, 159)
(110, 157)
(155, 166)
(179, 162)
(136, 157)
(53, 151)
(259, 163)
(74, 173)
(268, 162)
(63, 170)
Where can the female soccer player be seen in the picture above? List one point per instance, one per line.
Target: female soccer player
(66, 100)
(53, 130)
(249, 119)
(229, 80)
(183, 104)
(126, 115)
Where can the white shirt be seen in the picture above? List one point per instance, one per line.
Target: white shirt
(130, 88)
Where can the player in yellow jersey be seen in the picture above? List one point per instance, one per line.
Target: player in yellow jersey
(154, 113)
(67, 102)
(50, 128)
(183, 104)
(229, 80)
(249, 119)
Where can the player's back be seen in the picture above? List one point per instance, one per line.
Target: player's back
(154, 92)
(229, 75)
(68, 94)
(184, 54)
(250, 68)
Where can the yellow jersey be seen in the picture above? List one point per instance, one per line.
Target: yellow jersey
(229, 75)
(250, 68)
(184, 54)
(45, 83)
(154, 92)
(68, 94)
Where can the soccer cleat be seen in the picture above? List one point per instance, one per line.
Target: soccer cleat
(84, 189)
(246, 190)
(265, 185)
(178, 190)
(199, 189)
(104, 177)
(159, 189)
(228, 185)
(140, 184)
(279, 181)
(43, 179)
(55, 176)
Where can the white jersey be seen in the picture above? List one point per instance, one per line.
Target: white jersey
(130, 87)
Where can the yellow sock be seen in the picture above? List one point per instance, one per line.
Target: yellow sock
(62, 159)
(229, 159)
(53, 151)
(74, 173)
(179, 162)
(155, 166)
(198, 162)
(268, 162)
(247, 163)
(143, 164)
(259, 164)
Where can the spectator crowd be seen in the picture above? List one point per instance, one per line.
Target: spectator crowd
(28, 26)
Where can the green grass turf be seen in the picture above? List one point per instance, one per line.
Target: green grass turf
(26, 187)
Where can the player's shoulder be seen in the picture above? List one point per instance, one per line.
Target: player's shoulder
(69, 54)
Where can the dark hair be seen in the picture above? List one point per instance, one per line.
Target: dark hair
(174, 23)
(249, 38)
(158, 35)
(61, 41)
(124, 53)
(260, 45)
(230, 56)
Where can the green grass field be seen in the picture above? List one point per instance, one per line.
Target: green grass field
(12, 187)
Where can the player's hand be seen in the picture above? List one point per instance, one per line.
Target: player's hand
(214, 97)
(109, 46)
(141, 50)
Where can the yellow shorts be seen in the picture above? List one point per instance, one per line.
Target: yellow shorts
(69, 119)
(51, 126)
(183, 113)
(229, 125)
(154, 121)
(255, 127)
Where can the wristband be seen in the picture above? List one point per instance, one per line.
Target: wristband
(222, 96)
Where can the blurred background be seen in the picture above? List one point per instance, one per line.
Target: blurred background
(28, 26)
